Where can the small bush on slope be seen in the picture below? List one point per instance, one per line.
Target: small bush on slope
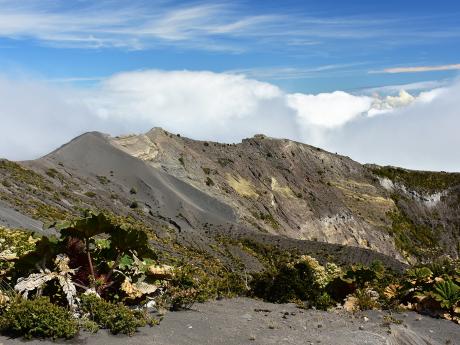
(115, 317)
(38, 318)
(303, 279)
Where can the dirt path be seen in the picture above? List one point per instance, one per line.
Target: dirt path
(247, 321)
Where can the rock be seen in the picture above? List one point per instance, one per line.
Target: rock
(247, 317)
(365, 318)
(150, 304)
(403, 336)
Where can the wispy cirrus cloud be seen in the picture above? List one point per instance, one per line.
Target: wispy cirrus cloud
(202, 25)
(129, 25)
(289, 73)
(417, 86)
(417, 69)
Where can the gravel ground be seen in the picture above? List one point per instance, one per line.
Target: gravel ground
(13, 219)
(248, 321)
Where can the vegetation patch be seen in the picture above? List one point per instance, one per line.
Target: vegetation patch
(90, 194)
(415, 239)
(423, 181)
(433, 289)
(103, 179)
(38, 318)
(103, 268)
(17, 173)
(207, 171)
(268, 219)
(224, 162)
(13, 245)
(113, 316)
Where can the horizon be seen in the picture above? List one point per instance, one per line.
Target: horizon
(376, 82)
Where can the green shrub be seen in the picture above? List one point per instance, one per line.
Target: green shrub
(89, 325)
(366, 299)
(90, 194)
(115, 317)
(224, 162)
(103, 179)
(38, 318)
(52, 173)
(187, 287)
(324, 301)
(289, 283)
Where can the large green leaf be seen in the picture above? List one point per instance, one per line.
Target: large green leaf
(419, 273)
(126, 262)
(124, 240)
(93, 224)
(447, 293)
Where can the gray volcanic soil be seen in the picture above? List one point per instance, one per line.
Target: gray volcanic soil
(13, 219)
(91, 155)
(248, 321)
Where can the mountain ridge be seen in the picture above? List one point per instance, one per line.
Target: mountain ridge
(272, 190)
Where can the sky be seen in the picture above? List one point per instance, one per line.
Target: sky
(375, 80)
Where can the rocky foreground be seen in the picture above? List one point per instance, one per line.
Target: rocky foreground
(248, 321)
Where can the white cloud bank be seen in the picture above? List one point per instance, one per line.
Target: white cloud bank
(412, 131)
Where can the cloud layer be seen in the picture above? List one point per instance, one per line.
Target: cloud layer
(412, 131)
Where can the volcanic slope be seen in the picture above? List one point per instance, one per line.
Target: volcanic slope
(270, 191)
(291, 189)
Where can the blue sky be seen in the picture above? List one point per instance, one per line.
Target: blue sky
(302, 46)
(374, 80)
